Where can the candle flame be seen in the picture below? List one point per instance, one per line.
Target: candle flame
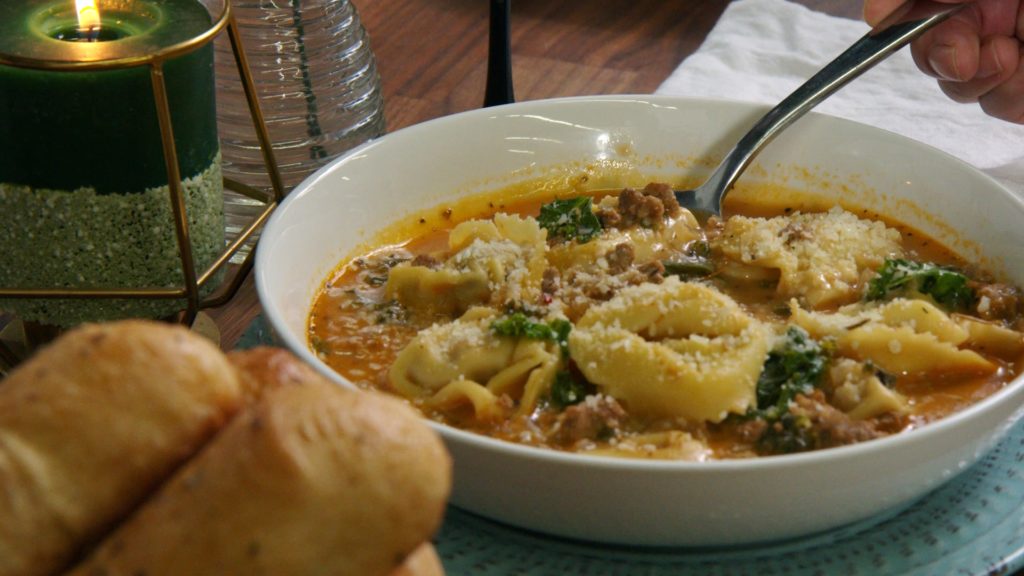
(88, 15)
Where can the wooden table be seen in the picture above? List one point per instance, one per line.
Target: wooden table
(431, 55)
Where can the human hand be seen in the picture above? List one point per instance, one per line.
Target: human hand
(975, 55)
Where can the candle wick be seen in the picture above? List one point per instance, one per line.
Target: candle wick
(90, 34)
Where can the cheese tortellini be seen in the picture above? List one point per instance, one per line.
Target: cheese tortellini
(821, 258)
(648, 244)
(859, 392)
(492, 262)
(901, 337)
(676, 349)
(464, 363)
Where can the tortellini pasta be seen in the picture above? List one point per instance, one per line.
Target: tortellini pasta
(822, 258)
(991, 337)
(463, 362)
(658, 243)
(675, 349)
(901, 337)
(492, 262)
(859, 392)
(444, 292)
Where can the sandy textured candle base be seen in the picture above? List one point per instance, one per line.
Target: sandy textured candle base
(79, 239)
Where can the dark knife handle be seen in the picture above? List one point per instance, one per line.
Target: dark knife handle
(499, 55)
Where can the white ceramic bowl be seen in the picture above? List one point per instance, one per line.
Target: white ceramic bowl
(656, 502)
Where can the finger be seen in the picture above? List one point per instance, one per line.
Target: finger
(998, 17)
(1004, 101)
(998, 60)
(1019, 32)
(950, 51)
(876, 10)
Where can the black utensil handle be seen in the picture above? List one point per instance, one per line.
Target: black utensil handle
(499, 55)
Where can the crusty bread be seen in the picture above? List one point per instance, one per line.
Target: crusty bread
(92, 424)
(311, 480)
(265, 368)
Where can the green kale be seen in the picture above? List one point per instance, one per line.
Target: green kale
(519, 325)
(391, 312)
(794, 367)
(319, 346)
(562, 329)
(949, 288)
(695, 262)
(689, 267)
(376, 281)
(887, 379)
(699, 249)
(787, 434)
(374, 270)
(567, 390)
(571, 219)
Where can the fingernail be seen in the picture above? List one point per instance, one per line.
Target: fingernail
(942, 59)
(990, 66)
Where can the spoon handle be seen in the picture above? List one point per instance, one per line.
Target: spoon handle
(499, 55)
(906, 23)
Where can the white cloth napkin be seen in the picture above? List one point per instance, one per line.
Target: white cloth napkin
(761, 50)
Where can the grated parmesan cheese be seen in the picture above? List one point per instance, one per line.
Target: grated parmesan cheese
(824, 259)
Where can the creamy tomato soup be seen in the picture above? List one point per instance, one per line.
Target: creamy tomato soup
(618, 324)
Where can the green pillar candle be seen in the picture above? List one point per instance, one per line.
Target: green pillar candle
(83, 181)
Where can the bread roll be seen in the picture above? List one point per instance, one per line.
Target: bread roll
(265, 368)
(312, 480)
(92, 424)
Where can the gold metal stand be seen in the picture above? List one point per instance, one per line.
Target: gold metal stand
(193, 280)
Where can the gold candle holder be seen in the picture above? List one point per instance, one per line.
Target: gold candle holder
(197, 290)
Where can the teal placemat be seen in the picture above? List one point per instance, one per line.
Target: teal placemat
(973, 525)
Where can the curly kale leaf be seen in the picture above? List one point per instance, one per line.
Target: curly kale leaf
(569, 387)
(562, 329)
(567, 390)
(949, 288)
(519, 325)
(787, 434)
(794, 367)
(695, 262)
(570, 219)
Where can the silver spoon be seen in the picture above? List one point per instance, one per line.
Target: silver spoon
(905, 24)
